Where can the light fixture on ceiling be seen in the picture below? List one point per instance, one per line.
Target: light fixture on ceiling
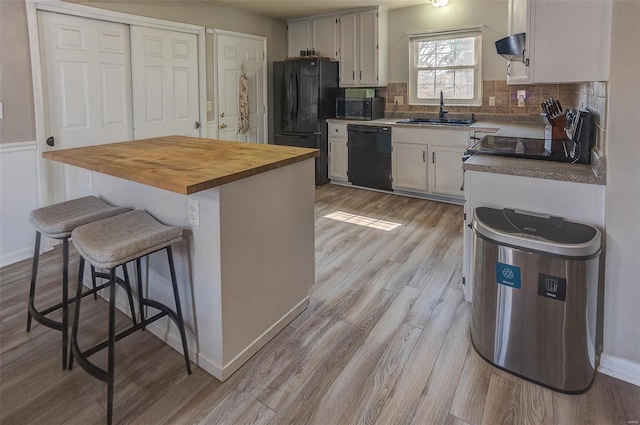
(439, 3)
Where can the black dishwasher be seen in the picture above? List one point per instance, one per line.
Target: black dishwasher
(370, 156)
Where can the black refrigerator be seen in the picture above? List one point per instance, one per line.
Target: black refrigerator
(305, 92)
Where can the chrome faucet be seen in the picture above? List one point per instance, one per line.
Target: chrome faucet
(442, 111)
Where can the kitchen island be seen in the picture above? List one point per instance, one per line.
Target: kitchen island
(246, 261)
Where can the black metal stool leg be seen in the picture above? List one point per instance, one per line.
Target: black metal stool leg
(65, 301)
(140, 297)
(176, 296)
(76, 315)
(129, 294)
(93, 282)
(34, 274)
(112, 342)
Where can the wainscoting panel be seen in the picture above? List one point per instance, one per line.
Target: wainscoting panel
(18, 196)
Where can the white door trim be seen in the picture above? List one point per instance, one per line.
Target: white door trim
(33, 6)
(265, 89)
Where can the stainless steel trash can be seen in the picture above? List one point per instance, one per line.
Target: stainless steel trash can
(535, 296)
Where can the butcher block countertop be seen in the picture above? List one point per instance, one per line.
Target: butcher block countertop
(181, 164)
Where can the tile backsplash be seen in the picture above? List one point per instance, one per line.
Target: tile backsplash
(592, 95)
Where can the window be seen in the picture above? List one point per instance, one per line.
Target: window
(449, 62)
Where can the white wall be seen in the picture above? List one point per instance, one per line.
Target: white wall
(18, 196)
(622, 206)
(459, 13)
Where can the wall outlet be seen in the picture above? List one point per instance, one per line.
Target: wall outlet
(194, 212)
(88, 179)
(521, 94)
(492, 101)
(398, 100)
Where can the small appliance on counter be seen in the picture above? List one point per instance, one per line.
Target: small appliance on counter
(360, 108)
(574, 147)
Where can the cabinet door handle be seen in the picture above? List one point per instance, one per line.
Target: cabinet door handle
(433, 157)
(424, 154)
(354, 75)
(361, 74)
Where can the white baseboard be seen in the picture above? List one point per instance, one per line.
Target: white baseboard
(620, 368)
(15, 256)
(162, 327)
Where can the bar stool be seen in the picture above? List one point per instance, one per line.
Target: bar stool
(57, 222)
(110, 243)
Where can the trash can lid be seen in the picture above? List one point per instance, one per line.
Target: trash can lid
(535, 231)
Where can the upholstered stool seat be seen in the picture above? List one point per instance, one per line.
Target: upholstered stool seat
(114, 242)
(58, 221)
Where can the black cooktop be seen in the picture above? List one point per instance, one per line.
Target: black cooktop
(521, 147)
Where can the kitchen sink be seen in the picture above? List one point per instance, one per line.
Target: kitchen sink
(437, 121)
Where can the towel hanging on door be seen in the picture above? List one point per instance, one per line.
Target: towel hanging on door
(243, 124)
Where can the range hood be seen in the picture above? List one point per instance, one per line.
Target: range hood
(512, 47)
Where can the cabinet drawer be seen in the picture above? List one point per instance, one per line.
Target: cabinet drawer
(337, 130)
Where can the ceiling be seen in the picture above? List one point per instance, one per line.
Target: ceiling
(286, 9)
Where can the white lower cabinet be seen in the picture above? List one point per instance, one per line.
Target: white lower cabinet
(338, 160)
(429, 161)
(409, 167)
(445, 177)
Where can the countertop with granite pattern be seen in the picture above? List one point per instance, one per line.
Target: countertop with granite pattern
(594, 173)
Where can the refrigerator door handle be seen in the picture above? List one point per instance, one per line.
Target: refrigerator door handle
(297, 98)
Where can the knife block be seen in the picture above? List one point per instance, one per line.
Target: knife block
(557, 127)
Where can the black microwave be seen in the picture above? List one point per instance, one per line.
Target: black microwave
(360, 108)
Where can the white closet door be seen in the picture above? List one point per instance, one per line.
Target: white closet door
(165, 83)
(87, 86)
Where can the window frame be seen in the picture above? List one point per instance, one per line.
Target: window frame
(414, 39)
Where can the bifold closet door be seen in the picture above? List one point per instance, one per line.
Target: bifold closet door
(165, 83)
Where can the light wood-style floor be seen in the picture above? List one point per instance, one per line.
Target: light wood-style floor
(384, 341)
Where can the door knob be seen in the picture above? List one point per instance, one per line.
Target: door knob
(222, 115)
(223, 126)
(196, 125)
(50, 141)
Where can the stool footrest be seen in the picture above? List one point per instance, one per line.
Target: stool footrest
(39, 315)
(82, 356)
(104, 344)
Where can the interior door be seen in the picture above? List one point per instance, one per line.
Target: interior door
(233, 53)
(165, 83)
(87, 86)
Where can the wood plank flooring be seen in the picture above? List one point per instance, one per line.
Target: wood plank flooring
(385, 340)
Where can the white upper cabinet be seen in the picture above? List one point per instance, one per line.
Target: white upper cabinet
(358, 39)
(364, 48)
(372, 47)
(298, 36)
(324, 37)
(566, 41)
(518, 72)
(348, 27)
